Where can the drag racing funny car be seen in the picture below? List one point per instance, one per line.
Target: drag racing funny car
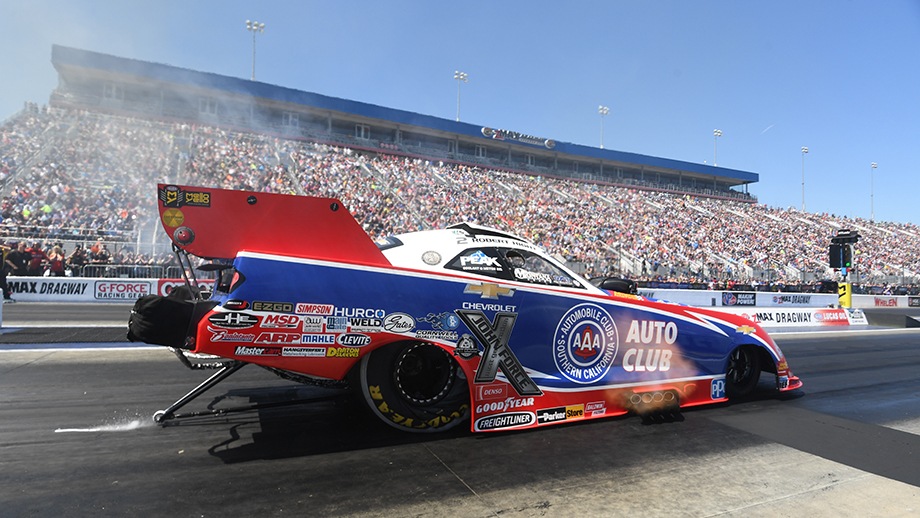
(435, 328)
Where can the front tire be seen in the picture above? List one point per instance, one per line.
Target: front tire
(743, 371)
(415, 386)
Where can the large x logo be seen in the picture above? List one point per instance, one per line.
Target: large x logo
(497, 355)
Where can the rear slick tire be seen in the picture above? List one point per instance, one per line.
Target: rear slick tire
(415, 387)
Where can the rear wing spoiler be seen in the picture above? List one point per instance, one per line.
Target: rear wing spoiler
(220, 223)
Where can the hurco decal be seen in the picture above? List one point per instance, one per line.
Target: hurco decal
(497, 354)
(585, 343)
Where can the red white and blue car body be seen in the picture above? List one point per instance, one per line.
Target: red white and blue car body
(443, 327)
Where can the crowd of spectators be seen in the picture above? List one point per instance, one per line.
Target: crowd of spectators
(79, 176)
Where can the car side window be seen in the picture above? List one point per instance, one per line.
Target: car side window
(529, 267)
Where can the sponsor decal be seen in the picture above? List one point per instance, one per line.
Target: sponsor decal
(479, 306)
(497, 355)
(442, 321)
(488, 290)
(500, 134)
(353, 340)
(50, 288)
(173, 218)
(359, 312)
(278, 338)
(551, 415)
(121, 290)
(466, 347)
(501, 421)
(257, 351)
(651, 332)
(283, 320)
(236, 305)
(433, 334)
(745, 329)
(277, 307)
(233, 320)
(365, 325)
(886, 302)
(717, 389)
(342, 352)
(832, 317)
(221, 335)
(647, 360)
(165, 286)
(313, 324)
(534, 277)
(596, 408)
(478, 261)
(173, 196)
(491, 391)
(913, 302)
(317, 339)
(336, 324)
(309, 308)
(503, 406)
(398, 323)
(802, 300)
(585, 343)
(304, 352)
(431, 258)
(785, 317)
(574, 412)
(738, 299)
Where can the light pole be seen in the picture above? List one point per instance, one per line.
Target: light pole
(804, 152)
(715, 146)
(254, 27)
(603, 111)
(874, 166)
(461, 77)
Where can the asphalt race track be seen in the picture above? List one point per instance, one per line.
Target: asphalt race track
(77, 439)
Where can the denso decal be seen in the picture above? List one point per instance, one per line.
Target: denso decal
(257, 351)
(647, 360)
(510, 420)
(398, 323)
(651, 332)
(496, 353)
(503, 406)
(491, 391)
(278, 338)
(307, 308)
(585, 343)
(353, 340)
(275, 320)
(121, 290)
(233, 320)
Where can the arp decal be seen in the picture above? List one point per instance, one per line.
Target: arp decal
(585, 343)
(497, 354)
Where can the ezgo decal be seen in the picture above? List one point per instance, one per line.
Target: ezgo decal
(585, 343)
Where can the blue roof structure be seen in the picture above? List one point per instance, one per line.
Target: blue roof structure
(68, 58)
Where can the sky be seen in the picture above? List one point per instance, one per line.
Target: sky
(840, 77)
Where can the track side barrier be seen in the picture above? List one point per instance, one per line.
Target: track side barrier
(90, 289)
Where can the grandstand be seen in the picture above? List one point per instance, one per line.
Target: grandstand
(85, 167)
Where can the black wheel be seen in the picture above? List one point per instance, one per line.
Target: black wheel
(743, 371)
(415, 386)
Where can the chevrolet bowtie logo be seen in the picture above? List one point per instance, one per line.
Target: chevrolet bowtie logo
(745, 329)
(488, 290)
